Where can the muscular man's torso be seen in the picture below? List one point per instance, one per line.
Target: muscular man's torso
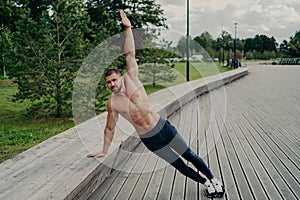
(134, 106)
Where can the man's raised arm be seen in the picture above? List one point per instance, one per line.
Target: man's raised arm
(129, 47)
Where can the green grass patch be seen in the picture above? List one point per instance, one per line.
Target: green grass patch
(18, 132)
(200, 69)
(151, 89)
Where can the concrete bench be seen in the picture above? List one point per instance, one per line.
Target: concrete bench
(58, 167)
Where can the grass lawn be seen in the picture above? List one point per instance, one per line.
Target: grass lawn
(200, 69)
(18, 132)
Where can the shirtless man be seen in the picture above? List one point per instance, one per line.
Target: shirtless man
(130, 100)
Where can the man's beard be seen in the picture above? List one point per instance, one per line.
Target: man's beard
(116, 89)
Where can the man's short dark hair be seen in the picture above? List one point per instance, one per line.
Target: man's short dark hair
(111, 71)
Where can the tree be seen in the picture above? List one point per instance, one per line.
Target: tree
(50, 49)
(157, 72)
(9, 14)
(181, 46)
(52, 38)
(158, 67)
(205, 40)
(226, 40)
(104, 17)
(6, 48)
(294, 45)
(260, 43)
(283, 48)
(142, 14)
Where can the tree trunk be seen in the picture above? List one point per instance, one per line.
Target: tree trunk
(58, 89)
(58, 96)
(154, 74)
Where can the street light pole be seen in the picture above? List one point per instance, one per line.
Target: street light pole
(187, 41)
(235, 64)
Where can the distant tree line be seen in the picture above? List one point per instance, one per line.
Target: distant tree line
(259, 47)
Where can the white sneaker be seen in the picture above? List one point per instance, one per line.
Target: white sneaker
(220, 189)
(210, 190)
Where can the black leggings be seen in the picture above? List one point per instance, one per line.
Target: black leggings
(164, 139)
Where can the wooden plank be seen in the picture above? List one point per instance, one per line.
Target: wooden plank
(116, 178)
(203, 124)
(131, 181)
(192, 187)
(145, 176)
(180, 180)
(155, 182)
(251, 148)
(275, 126)
(225, 174)
(283, 162)
(201, 145)
(213, 135)
(290, 184)
(280, 136)
(238, 171)
(266, 161)
(266, 144)
(240, 143)
(277, 101)
(166, 187)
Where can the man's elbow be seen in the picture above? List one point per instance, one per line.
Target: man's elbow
(109, 131)
(130, 55)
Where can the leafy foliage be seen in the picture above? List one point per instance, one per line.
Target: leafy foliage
(6, 49)
(49, 52)
(51, 40)
(157, 68)
(294, 45)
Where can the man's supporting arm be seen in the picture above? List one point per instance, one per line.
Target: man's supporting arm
(109, 131)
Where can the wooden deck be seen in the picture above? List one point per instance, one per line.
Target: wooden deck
(256, 154)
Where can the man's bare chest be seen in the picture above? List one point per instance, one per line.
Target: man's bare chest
(127, 104)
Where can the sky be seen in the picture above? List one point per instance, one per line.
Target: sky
(278, 18)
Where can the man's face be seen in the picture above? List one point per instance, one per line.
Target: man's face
(114, 82)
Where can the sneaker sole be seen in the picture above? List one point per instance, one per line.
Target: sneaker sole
(210, 195)
(221, 194)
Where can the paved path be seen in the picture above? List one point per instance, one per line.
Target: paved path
(255, 152)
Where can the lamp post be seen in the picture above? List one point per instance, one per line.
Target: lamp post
(187, 41)
(235, 64)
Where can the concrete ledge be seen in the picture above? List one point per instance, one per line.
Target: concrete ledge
(58, 168)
